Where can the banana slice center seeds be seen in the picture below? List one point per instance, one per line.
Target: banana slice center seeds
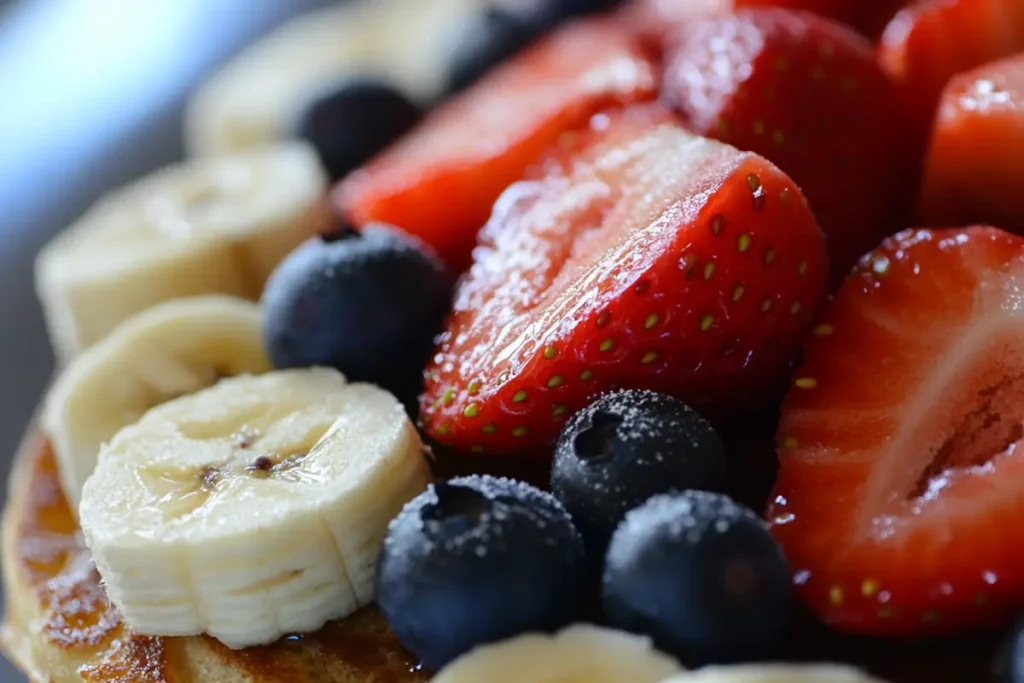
(181, 492)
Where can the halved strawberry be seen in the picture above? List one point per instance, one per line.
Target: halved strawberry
(654, 20)
(808, 94)
(900, 497)
(440, 181)
(932, 40)
(656, 17)
(867, 16)
(642, 257)
(976, 158)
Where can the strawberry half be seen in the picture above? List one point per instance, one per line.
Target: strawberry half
(900, 496)
(932, 40)
(656, 17)
(440, 181)
(655, 20)
(641, 257)
(808, 94)
(867, 16)
(975, 162)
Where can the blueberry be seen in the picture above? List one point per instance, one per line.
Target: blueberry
(366, 303)
(476, 560)
(702, 576)
(624, 448)
(494, 36)
(565, 9)
(353, 121)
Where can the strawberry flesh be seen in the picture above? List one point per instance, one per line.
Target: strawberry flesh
(975, 162)
(900, 496)
(440, 181)
(808, 94)
(639, 256)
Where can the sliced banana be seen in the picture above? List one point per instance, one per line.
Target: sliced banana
(256, 98)
(776, 673)
(172, 349)
(251, 509)
(200, 227)
(584, 653)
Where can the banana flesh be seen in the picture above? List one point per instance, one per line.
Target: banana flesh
(584, 653)
(776, 673)
(256, 98)
(591, 654)
(251, 509)
(199, 227)
(172, 349)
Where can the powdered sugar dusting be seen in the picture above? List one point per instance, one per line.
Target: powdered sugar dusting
(689, 516)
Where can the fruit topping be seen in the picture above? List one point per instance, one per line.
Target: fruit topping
(204, 226)
(573, 8)
(658, 19)
(974, 164)
(504, 28)
(644, 257)
(493, 37)
(930, 41)
(775, 673)
(806, 93)
(251, 509)
(476, 560)
(354, 121)
(702, 576)
(899, 491)
(581, 652)
(624, 448)
(366, 303)
(867, 16)
(440, 182)
(172, 349)
(253, 100)
(655, 20)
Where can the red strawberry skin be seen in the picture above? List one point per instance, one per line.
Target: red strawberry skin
(930, 41)
(900, 498)
(641, 256)
(808, 94)
(975, 163)
(440, 181)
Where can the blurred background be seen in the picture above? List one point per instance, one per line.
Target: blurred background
(91, 96)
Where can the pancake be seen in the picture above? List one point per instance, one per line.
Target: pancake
(59, 626)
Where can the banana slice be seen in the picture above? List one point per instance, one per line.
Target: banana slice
(776, 673)
(216, 226)
(581, 652)
(256, 98)
(251, 509)
(172, 349)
